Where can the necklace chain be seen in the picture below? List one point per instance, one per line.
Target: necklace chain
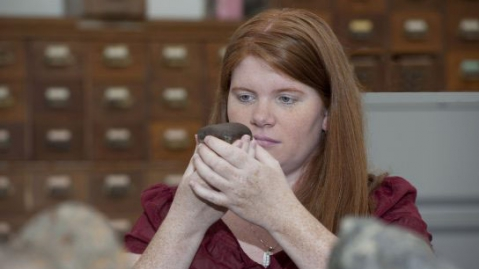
(269, 249)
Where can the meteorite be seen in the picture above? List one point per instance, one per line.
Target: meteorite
(228, 132)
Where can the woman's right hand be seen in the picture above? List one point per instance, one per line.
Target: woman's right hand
(189, 207)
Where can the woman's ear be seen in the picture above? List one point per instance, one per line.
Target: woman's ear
(325, 124)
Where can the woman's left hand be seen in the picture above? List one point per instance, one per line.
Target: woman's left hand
(246, 179)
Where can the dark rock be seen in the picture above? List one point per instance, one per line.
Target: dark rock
(228, 132)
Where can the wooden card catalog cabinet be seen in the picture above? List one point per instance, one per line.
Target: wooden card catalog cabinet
(172, 63)
(416, 73)
(58, 101)
(415, 32)
(180, 100)
(414, 5)
(13, 103)
(118, 141)
(12, 59)
(106, 9)
(370, 71)
(305, 4)
(361, 6)
(12, 141)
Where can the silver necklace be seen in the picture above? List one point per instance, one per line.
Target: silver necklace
(269, 250)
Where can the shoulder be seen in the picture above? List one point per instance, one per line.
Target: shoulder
(395, 203)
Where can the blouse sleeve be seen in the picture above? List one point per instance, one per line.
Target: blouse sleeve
(156, 202)
(396, 204)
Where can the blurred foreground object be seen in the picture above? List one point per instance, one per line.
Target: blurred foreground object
(366, 243)
(70, 236)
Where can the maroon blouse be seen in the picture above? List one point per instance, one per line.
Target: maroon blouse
(395, 204)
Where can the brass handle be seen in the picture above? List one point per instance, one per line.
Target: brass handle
(5, 139)
(469, 29)
(117, 56)
(118, 138)
(361, 28)
(176, 139)
(58, 55)
(469, 69)
(415, 29)
(59, 186)
(6, 188)
(117, 185)
(6, 98)
(57, 97)
(175, 56)
(59, 138)
(175, 97)
(118, 97)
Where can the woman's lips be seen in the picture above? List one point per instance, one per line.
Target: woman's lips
(265, 141)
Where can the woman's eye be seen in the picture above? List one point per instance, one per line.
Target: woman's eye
(286, 99)
(245, 97)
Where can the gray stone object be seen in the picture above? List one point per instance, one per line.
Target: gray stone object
(367, 243)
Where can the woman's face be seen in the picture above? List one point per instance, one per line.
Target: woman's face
(285, 116)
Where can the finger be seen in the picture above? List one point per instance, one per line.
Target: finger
(232, 155)
(252, 149)
(202, 190)
(208, 175)
(246, 143)
(263, 156)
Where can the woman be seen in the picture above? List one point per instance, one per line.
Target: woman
(274, 201)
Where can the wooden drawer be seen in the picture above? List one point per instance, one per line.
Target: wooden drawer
(107, 9)
(12, 59)
(109, 102)
(463, 30)
(58, 60)
(173, 140)
(170, 176)
(175, 62)
(13, 187)
(119, 61)
(361, 7)
(116, 190)
(416, 32)
(53, 187)
(214, 58)
(118, 141)
(363, 31)
(436, 5)
(463, 70)
(181, 99)
(370, 71)
(416, 73)
(59, 140)
(13, 141)
(305, 4)
(13, 103)
(58, 100)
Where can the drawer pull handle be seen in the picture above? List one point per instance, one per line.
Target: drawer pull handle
(469, 29)
(175, 97)
(176, 139)
(7, 57)
(58, 55)
(175, 56)
(118, 138)
(5, 139)
(6, 98)
(59, 186)
(415, 29)
(470, 69)
(59, 138)
(57, 97)
(5, 232)
(221, 53)
(118, 97)
(361, 28)
(117, 185)
(6, 188)
(117, 56)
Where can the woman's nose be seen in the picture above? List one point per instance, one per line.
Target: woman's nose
(262, 115)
